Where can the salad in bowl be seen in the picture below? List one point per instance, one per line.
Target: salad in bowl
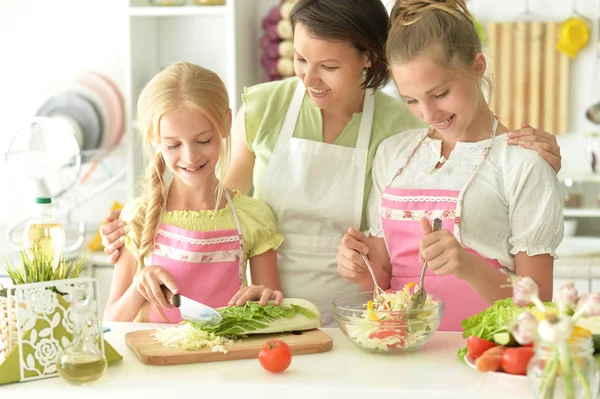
(386, 323)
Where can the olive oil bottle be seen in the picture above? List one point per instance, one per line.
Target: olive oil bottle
(83, 360)
(43, 234)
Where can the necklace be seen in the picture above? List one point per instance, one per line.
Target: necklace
(443, 159)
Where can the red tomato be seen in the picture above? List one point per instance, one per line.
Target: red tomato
(275, 356)
(515, 360)
(390, 328)
(476, 346)
(491, 359)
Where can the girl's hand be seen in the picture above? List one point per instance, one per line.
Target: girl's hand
(148, 282)
(258, 293)
(350, 264)
(442, 252)
(113, 235)
(535, 139)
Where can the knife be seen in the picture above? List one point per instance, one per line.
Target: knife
(195, 311)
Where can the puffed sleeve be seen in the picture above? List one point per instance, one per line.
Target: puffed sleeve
(258, 226)
(127, 214)
(535, 205)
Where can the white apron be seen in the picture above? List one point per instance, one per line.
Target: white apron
(316, 191)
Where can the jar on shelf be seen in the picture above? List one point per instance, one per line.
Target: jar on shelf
(572, 195)
(593, 151)
(209, 2)
(570, 371)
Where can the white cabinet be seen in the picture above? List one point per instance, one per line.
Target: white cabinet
(223, 39)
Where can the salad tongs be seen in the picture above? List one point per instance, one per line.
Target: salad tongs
(418, 299)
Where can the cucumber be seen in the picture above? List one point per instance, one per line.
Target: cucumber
(505, 339)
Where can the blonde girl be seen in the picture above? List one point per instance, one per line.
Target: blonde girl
(188, 234)
(500, 205)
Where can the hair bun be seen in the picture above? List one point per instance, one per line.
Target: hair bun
(407, 12)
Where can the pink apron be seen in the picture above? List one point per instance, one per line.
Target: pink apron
(206, 266)
(401, 211)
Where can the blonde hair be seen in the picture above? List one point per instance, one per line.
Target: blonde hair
(180, 86)
(417, 25)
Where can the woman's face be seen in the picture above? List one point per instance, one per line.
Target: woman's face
(445, 100)
(331, 71)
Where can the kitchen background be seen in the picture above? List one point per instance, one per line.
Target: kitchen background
(49, 45)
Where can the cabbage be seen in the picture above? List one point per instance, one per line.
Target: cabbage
(293, 314)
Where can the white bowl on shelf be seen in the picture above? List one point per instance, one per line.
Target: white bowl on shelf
(570, 227)
(578, 247)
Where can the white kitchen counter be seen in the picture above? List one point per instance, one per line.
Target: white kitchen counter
(344, 372)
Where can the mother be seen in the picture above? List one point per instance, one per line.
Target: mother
(306, 144)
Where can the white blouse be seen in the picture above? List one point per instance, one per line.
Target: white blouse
(512, 205)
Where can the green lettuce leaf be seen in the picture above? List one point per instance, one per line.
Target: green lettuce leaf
(493, 320)
(252, 318)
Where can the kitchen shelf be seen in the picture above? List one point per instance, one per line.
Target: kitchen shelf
(223, 39)
(582, 212)
(583, 177)
(176, 11)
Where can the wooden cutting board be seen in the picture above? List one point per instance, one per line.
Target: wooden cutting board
(151, 352)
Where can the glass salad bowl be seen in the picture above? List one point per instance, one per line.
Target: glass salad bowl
(375, 330)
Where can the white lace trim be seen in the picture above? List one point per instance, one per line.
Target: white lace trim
(198, 241)
(197, 257)
(400, 214)
(533, 251)
(417, 198)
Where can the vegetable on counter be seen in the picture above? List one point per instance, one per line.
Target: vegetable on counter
(493, 324)
(275, 356)
(294, 314)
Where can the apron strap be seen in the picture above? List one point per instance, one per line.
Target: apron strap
(238, 226)
(366, 122)
(289, 123)
(462, 192)
(236, 220)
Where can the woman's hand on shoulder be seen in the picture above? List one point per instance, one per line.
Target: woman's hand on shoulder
(539, 140)
(155, 284)
(113, 235)
(258, 293)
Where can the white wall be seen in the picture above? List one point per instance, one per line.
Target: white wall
(42, 41)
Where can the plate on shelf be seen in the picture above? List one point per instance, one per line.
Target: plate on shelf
(112, 100)
(79, 109)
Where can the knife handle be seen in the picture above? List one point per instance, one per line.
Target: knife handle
(174, 299)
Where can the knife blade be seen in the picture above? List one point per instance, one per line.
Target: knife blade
(195, 311)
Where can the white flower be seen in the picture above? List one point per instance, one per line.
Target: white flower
(525, 291)
(43, 301)
(67, 320)
(47, 351)
(566, 296)
(525, 328)
(588, 306)
(555, 328)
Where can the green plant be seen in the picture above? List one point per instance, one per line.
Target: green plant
(37, 267)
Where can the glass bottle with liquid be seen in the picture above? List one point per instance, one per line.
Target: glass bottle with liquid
(44, 234)
(83, 360)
